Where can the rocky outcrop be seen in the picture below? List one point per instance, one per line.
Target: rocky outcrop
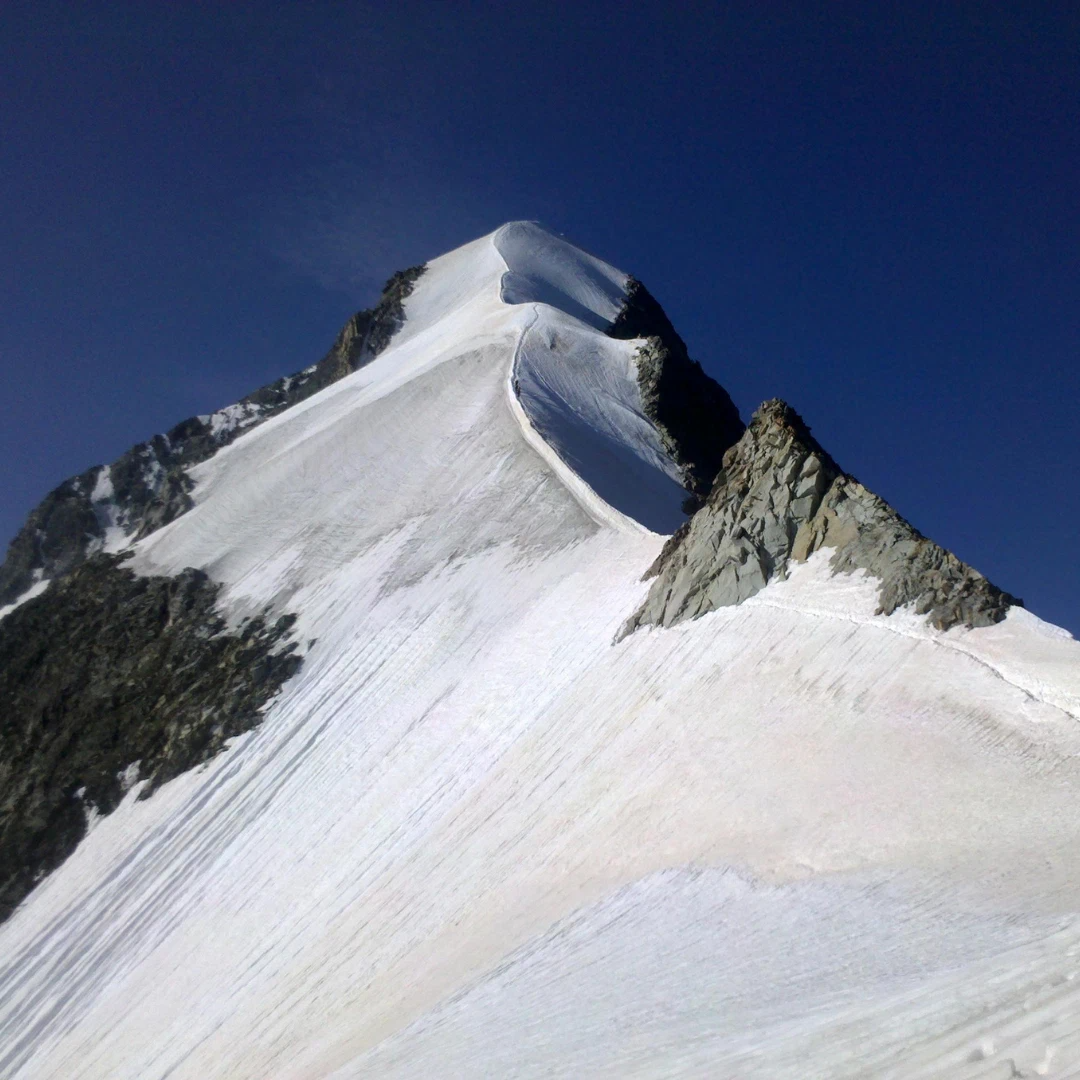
(148, 487)
(109, 677)
(369, 332)
(56, 534)
(780, 497)
(694, 414)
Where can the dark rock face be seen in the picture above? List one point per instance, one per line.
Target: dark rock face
(106, 669)
(148, 487)
(780, 496)
(59, 529)
(695, 415)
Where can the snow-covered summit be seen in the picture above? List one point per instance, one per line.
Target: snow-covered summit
(519, 263)
(545, 301)
(475, 835)
(577, 388)
(542, 268)
(561, 388)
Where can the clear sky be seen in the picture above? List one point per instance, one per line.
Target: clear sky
(870, 210)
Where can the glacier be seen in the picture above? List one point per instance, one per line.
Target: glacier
(477, 835)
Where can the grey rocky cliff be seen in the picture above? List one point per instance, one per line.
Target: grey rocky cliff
(780, 497)
(107, 669)
(694, 414)
(148, 486)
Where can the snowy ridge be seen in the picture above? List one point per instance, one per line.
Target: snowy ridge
(474, 837)
(578, 387)
(146, 487)
(1035, 657)
(600, 511)
(544, 269)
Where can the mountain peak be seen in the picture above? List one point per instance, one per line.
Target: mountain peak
(413, 811)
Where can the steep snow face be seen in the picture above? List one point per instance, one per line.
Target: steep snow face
(577, 386)
(474, 837)
(579, 390)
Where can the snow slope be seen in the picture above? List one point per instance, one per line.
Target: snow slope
(474, 837)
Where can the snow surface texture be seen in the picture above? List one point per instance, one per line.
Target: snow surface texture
(475, 838)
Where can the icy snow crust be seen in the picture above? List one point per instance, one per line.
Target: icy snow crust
(475, 838)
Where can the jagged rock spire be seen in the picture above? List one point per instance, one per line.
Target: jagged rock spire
(779, 497)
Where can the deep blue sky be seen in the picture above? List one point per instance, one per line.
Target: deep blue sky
(870, 210)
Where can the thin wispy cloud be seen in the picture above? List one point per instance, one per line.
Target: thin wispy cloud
(350, 222)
